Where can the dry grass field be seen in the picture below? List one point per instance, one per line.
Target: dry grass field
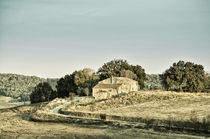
(15, 123)
(188, 112)
(145, 105)
(150, 104)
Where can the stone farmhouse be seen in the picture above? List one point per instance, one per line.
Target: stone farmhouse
(114, 86)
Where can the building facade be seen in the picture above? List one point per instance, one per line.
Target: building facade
(114, 86)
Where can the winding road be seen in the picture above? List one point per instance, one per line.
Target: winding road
(56, 109)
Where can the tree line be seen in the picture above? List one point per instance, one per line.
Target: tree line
(181, 76)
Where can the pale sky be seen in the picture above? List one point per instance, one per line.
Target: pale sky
(52, 38)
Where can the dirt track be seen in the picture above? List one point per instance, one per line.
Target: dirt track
(15, 123)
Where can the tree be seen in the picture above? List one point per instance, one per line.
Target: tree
(113, 68)
(42, 92)
(84, 81)
(121, 68)
(184, 76)
(207, 82)
(141, 75)
(79, 82)
(128, 74)
(65, 86)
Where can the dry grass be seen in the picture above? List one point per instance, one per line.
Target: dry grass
(153, 104)
(15, 125)
(159, 110)
(181, 111)
(179, 106)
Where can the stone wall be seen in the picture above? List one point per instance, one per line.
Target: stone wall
(104, 93)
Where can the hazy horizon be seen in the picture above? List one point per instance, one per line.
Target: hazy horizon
(51, 38)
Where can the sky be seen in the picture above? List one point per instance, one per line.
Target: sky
(52, 38)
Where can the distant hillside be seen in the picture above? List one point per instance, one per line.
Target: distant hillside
(21, 86)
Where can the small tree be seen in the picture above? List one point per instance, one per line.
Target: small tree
(184, 76)
(42, 92)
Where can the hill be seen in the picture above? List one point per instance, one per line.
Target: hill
(21, 86)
